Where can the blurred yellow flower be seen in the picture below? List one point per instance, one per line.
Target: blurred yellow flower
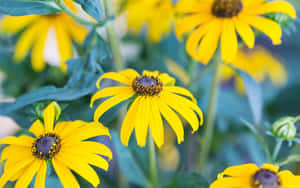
(258, 63)
(64, 145)
(157, 15)
(250, 176)
(36, 32)
(154, 96)
(211, 20)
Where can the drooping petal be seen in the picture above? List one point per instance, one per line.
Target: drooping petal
(41, 176)
(181, 91)
(14, 24)
(37, 128)
(156, 124)
(142, 120)
(29, 173)
(129, 121)
(65, 176)
(245, 32)
(229, 41)
(77, 32)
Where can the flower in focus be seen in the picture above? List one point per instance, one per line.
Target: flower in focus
(250, 176)
(211, 20)
(258, 63)
(158, 15)
(64, 145)
(46, 35)
(154, 97)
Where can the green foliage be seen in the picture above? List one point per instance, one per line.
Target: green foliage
(188, 180)
(93, 7)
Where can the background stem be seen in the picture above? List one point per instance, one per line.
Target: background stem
(153, 183)
(210, 119)
(277, 149)
(113, 38)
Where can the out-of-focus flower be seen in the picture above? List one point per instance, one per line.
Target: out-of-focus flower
(258, 63)
(250, 176)
(64, 145)
(285, 128)
(154, 96)
(178, 71)
(211, 20)
(46, 35)
(157, 15)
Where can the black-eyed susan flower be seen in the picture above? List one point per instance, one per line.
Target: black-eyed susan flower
(214, 20)
(154, 97)
(251, 176)
(63, 145)
(49, 36)
(258, 63)
(157, 15)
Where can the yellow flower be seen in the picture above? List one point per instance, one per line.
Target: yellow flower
(154, 96)
(64, 145)
(258, 63)
(211, 20)
(158, 15)
(250, 176)
(42, 30)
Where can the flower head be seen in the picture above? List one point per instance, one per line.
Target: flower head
(64, 145)
(154, 97)
(259, 63)
(250, 176)
(158, 15)
(39, 33)
(211, 20)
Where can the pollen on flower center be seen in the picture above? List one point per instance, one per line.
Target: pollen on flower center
(266, 178)
(46, 146)
(147, 85)
(226, 8)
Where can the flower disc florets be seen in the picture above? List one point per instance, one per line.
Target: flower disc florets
(226, 8)
(46, 146)
(266, 179)
(147, 85)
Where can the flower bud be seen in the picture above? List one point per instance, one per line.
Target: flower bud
(284, 128)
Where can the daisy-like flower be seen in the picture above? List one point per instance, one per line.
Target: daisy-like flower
(154, 97)
(49, 36)
(250, 176)
(258, 63)
(158, 15)
(63, 145)
(211, 20)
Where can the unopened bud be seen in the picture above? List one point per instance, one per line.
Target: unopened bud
(284, 128)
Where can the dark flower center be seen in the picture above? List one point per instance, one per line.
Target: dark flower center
(226, 8)
(147, 85)
(46, 146)
(266, 179)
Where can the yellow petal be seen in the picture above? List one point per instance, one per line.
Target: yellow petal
(65, 176)
(41, 176)
(193, 6)
(23, 140)
(77, 32)
(151, 73)
(229, 42)
(13, 153)
(111, 102)
(229, 182)
(129, 121)
(174, 121)
(49, 117)
(14, 24)
(245, 32)
(108, 92)
(270, 167)
(119, 77)
(29, 173)
(166, 79)
(37, 128)
(181, 91)
(156, 124)
(269, 27)
(142, 120)
(288, 179)
(241, 170)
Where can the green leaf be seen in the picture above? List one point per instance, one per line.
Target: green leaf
(128, 164)
(93, 7)
(20, 8)
(188, 180)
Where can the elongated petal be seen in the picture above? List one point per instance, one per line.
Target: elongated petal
(228, 182)
(23, 140)
(269, 27)
(181, 91)
(14, 24)
(37, 128)
(111, 102)
(41, 176)
(288, 179)
(229, 42)
(244, 170)
(125, 77)
(129, 121)
(193, 6)
(156, 124)
(65, 176)
(13, 153)
(29, 173)
(245, 32)
(77, 32)
(111, 91)
(142, 121)
(49, 117)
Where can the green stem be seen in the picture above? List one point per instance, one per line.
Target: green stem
(67, 10)
(113, 38)
(210, 119)
(296, 119)
(153, 183)
(277, 149)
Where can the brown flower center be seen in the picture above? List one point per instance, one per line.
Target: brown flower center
(46, 146)
(266, 179)
(226, 8)
(147, 85)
